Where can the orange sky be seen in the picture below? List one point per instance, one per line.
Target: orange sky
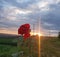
(16, 32)
(8, 32)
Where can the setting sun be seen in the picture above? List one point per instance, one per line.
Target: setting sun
(39, 34)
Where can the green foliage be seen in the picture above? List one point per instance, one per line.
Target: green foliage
(59, 35)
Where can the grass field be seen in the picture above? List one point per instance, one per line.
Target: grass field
(30, 47)
(7, 47)
(50, 47)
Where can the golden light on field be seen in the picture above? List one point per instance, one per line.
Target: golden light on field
(39, 43)
(39, 34)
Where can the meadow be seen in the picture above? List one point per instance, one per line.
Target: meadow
(9, 48)
(50, 47)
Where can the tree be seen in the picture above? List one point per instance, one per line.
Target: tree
(59, 35)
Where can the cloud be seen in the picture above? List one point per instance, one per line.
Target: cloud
(16, 12)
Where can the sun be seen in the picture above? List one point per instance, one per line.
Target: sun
(39, 34)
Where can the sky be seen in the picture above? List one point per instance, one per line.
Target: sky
(14, 13)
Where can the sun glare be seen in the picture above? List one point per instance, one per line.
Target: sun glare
(39, 34)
